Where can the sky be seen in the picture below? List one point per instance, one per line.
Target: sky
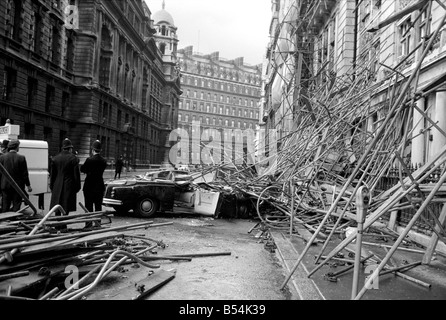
(234, 28)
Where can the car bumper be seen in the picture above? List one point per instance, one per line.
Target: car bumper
(111, 202)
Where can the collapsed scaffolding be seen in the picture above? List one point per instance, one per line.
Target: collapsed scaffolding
(332, 150)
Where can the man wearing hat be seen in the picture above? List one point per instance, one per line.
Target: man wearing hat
(65, 180)
(15, 164)
(4, 147)
(94, 187)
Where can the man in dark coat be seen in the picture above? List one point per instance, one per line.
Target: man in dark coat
(94, 187)
(16, 166)
(4, 146)
(119, 165)
(65, 180)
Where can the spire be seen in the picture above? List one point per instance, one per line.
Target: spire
(164, 4)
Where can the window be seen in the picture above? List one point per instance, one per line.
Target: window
(55, 43)
(36, 28)
(69, 56)
(405, 37)
(119, 119)
(49, 101)
(14, 19)
(9, 83)
(32, 90)
(65, 103)
(104, 71)
(163, 48)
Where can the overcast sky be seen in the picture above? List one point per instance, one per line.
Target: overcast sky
(235, 28)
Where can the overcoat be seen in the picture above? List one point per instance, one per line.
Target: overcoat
(17, 168)
(94, 167)
(65, 181)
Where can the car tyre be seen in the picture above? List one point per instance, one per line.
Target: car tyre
(146, 207)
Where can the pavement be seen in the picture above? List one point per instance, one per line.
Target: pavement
(423, 282)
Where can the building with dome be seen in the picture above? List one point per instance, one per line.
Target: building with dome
(89, 70)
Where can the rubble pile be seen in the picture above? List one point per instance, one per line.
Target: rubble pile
(60, 258)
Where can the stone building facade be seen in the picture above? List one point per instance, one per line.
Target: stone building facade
(218, 94)
(87, 70)
(345, 37)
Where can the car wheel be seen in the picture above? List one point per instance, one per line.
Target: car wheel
(121, 210)
(146, 207)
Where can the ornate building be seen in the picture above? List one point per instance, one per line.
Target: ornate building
(218, 94)
(87, 70)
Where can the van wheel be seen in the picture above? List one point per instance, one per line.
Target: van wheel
(146, 207)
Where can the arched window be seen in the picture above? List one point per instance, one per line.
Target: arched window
(163, 48)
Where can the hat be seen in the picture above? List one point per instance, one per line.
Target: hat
(66, 144)
(5, 144)
(97, 146)
(13, 144)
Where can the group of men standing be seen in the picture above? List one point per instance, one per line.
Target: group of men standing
(65, 179)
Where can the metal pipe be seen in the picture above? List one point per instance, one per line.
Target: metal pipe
(362, 202)
(83, 234)
(14, 275)
(105, 272)
(351, 267)
(22, 194)
(49, 294)
(406, 231)
(37, 227)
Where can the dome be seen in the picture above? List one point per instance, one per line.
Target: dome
(163, 16)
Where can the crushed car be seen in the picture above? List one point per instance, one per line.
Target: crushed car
(154, 191)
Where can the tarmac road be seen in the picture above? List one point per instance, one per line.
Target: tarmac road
(249, 272)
